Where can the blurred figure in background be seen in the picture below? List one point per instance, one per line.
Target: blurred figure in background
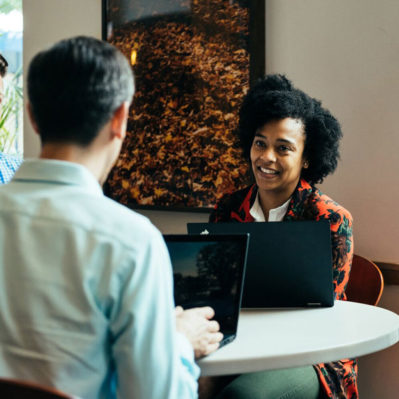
(8, 163)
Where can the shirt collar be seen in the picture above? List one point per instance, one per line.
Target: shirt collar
(275, 215)
(57, 172)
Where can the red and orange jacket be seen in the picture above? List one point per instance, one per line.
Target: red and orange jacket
(338, 379)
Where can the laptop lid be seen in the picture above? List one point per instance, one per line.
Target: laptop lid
(289, 263)
(209, 271)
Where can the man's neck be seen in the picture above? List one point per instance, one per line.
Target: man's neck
(80, 155)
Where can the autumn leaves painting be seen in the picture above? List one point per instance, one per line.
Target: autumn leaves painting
(191, 65)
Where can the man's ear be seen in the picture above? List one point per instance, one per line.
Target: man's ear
(31, 118)
(119, 121)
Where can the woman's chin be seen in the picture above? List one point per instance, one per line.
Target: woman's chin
(267, 185)
(267, 182)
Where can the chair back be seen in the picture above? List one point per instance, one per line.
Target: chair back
(366, 282)
(17, 389)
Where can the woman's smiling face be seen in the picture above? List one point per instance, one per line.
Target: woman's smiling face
(277, 156)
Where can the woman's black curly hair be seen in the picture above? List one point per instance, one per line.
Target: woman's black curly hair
(274, 98)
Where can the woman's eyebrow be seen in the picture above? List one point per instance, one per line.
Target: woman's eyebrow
(286, 141)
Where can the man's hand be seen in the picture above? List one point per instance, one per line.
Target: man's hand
(200, 330)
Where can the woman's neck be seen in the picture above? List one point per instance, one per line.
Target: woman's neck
(270, 201)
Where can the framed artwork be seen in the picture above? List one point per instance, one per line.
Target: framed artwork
(193, 62)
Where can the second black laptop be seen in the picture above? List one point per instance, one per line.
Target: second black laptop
(289, 263)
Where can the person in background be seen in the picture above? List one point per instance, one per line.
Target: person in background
(292, 143)
(86, 284)
(8, 163)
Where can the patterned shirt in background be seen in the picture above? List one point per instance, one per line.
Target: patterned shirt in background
(8, 166)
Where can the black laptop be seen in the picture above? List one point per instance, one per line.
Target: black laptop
(209, 271)
(289, 263)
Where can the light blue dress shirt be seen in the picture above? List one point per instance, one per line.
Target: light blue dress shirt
(86, 302)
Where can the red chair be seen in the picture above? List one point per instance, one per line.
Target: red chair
(366, 282)
(17, 389)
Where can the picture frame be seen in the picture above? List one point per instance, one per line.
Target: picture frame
(193, 62)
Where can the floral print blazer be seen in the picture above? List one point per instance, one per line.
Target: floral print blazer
(337, 379)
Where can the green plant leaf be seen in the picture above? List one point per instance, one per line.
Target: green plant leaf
(6, 6)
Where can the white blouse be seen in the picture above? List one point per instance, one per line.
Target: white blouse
(275, 215)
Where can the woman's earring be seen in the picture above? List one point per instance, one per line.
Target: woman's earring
(306, 164)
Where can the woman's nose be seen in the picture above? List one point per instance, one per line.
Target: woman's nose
(268, 155)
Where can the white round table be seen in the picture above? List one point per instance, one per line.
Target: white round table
(282, 338)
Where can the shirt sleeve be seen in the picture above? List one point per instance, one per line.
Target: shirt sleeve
(342, 251)
(151, 359)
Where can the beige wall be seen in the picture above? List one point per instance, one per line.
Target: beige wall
(46, 22)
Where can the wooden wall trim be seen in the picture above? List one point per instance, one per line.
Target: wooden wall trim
(390, 271)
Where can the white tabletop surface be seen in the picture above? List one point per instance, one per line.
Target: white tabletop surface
(276, 338)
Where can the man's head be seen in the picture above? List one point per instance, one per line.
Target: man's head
(3, 71)
(75, 87)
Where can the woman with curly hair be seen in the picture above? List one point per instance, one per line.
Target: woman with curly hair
(292, 144)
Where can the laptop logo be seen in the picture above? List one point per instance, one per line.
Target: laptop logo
(205, 232)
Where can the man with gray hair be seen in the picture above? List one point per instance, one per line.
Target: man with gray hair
(86, 287)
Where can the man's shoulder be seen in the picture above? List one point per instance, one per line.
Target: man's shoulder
(123, 214)
(123, 223)
(79, 209)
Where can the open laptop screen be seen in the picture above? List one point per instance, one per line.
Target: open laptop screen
(209, 271)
